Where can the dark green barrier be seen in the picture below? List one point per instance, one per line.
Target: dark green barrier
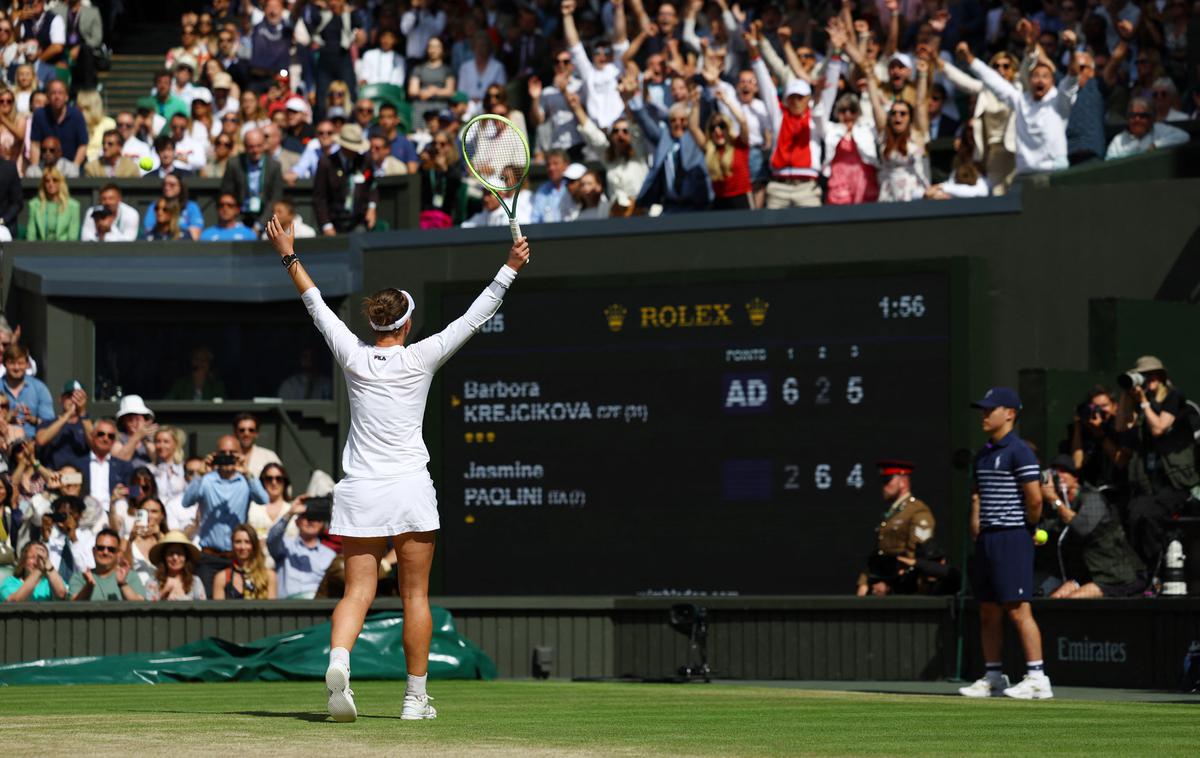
(303, 654)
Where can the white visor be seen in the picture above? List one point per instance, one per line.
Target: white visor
(402, 320)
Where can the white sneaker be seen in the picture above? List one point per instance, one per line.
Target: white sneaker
(985, 687)
(341, 697)
(1031, 688)
(417, 707)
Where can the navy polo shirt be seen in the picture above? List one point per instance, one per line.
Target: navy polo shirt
(71, 132)
(1001, 468)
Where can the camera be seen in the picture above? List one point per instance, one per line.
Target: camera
(1131, 379)
(59, 516)
(224, 459)
(71, 477)
(1086, 411)
(319, 508)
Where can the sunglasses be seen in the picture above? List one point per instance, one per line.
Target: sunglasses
(325, 133)
(337, 95)
(106, 435)
(226, 204)
(273, 479)
(1157, 93)
(563, 61)
(808, 55)
(105, 549)
(224, 143)
(226, 118)
(1002, 66)
(441, 143)
(123, 124)
(620, 130)
(1139, 115)
(6, 101)
(365, 110)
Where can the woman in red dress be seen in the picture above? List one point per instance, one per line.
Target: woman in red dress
(727, 157)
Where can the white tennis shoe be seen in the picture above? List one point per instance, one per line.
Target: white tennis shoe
(985, 687)
(1031, 688)
(417, 707)
(341, 697)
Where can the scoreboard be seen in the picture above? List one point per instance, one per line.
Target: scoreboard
(684, 435)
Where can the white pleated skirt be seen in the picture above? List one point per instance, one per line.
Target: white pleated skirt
(369, 507)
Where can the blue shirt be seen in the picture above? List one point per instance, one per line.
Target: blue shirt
(237, 233)
(71, 132)
(1001, 468)
(301, 568)
(548, 202)
(403, 150)
(68, 446)
(190, 218)
(36, 396)
(224, 503)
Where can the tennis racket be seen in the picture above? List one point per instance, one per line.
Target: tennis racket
(497, 154)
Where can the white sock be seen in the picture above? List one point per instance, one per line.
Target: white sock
(1035, 669)
(416, 685)
(340, 655)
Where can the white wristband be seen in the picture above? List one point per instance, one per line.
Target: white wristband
(505, 276)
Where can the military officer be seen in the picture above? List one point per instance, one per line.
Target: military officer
(906, 524)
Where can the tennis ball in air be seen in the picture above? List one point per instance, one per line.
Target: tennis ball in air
(1040, 537)
(146, 163)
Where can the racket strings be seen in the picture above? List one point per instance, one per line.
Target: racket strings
(497, 153)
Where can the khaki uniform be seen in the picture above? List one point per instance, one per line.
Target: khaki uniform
(908, 523)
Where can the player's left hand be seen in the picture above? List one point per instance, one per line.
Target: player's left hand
(283, 240)
(518, 255)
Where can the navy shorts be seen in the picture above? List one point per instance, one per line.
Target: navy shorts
(1002, 568)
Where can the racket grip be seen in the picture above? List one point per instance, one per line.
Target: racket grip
(514, 226)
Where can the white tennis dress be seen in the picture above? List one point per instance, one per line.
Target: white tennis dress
(387, 489)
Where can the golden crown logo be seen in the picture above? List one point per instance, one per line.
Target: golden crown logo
(615, 315)
(757, 310)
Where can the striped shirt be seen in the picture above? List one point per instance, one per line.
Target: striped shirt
(1001, 468)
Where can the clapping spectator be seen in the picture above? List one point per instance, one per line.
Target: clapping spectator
(35, 578)
(112, 578)
(12, 123)
(123, 226)
(229, 226)
(302, 560)
(175, 559)
(112, 163)
(1142, 133)
(431, 84)
(382, 65)
(136, 423)
(102, 472)
(190, 219)
(53, 214)
(726, 155)
(851, 155)
(64, 439)
(255, 180)
(68, 540)
(248, 577)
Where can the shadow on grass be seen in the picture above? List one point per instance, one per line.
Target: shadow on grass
(309, 716)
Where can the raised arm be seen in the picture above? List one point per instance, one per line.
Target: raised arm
(999, 86)
(694, 119)
(921, 117)
(743, 136)
(620, 33)
(766, 87)
(961, 80)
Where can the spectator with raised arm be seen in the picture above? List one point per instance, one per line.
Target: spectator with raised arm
(622, 148)
(726, 155)
(64, 438)
(678, 179)
(599, 73)
(300, 561)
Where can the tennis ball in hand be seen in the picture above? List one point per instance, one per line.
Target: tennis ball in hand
(1040, 537)
(146, 163)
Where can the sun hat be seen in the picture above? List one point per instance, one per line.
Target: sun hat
(173, 537)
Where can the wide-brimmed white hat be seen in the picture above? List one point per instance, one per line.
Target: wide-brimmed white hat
(133, 404)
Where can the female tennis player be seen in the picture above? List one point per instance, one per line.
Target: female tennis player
(387, 493)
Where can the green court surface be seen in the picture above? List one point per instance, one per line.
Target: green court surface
(561, 718)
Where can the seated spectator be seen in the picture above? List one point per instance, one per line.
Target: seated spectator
(175, 559)
(1166, 101)
(191, 220)
(112, 163)
(95, 120)
(1143, 134)
(726, 155)
(273, 146)
(183, 76)
(249, 577)
(906, 524)
(46, 33)
(144, 537)
(1110, 567)
(164, 149)
(35, 578)
(166, 102)
(102, 472)
(431, 84)
(223, 150)
(288, 217)
(203, 126)
(343, 198)
(382, 162)
(495, 101)
(191, 45)
(390, 127)
(492, 214)
(592, 202)
(302, 560)
(191, 155)
(245, 428)
(965, 181)
(64, 439)
(68, 537)
(136, 423)
(53, 214)
(551, 201)
(229, 226)
(314, 151)
(299, 129)
(112, 578)
(134, 128)
(25, 83)
(481, 71)
(202, 382)
(12, 199)
(263, 516)
(382, 65)
(221, 85)
(308, 383)
(50, 155)
(441, 183)
(120, 221)
(364, 115)
(251, 112)
(255, 181)
(12, 123)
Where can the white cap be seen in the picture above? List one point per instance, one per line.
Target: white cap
(202, 94)
(902, 58)
(797, 86)
(296, 104)
(133, 404)
(575, 172)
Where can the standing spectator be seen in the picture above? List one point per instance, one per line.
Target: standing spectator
(53, 214)
(124, 225)
(1142, 133)
(255, 180)
(599, 75)
(903, 137)
(622, 153)
(28, 395)
(301, 560)
(940, 125)
(389, 126)
(431, 84)
(993, 121)
(759, 126)
(48, 33)
(525, 50)
(270, 43)
(678, 177)
(35, 578)
(229, 227)
(381, 65)
(144, 537)
(51, 157)
(112, 578)
(64, 439)
(178, 564)
(727, 156)
(264, 515)
(556, 123)
(112, 163)
(170, 476)
(481, 71)
(248, 577)
(343, 198)
(101, 470)
(851, 155)
(191, 220)
(222, 499)
(337, 32)
(12, 124)
(12, 199)
(421, 24)
(245, 428)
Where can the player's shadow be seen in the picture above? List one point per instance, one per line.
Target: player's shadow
(309, 716)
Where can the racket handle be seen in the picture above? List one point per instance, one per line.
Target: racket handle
(515, 227)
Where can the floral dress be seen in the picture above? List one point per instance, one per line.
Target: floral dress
(903, 177)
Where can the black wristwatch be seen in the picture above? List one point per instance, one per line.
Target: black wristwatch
(288, 260)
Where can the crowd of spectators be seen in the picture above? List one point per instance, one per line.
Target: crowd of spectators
(681, 106)
(118, 508)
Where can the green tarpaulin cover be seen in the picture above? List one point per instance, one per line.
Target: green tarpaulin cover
(302, 654)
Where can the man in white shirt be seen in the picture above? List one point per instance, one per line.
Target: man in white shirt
(599, 76)
(1142, 134)
(314, 151)
(124, 226)
(382, 65)
(1041, 113)
(190, 153)
(102, 472)
(245, 428)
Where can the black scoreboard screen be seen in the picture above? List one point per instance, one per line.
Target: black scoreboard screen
(675, 435)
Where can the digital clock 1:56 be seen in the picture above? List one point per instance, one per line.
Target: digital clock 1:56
(902, 306)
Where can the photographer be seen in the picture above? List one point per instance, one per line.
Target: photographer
(1095, 445)
(112, 578)
(301, 561)
(69, 543)
(1162, 465)
(35, 579)
(223, 498)
(1110, 567)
